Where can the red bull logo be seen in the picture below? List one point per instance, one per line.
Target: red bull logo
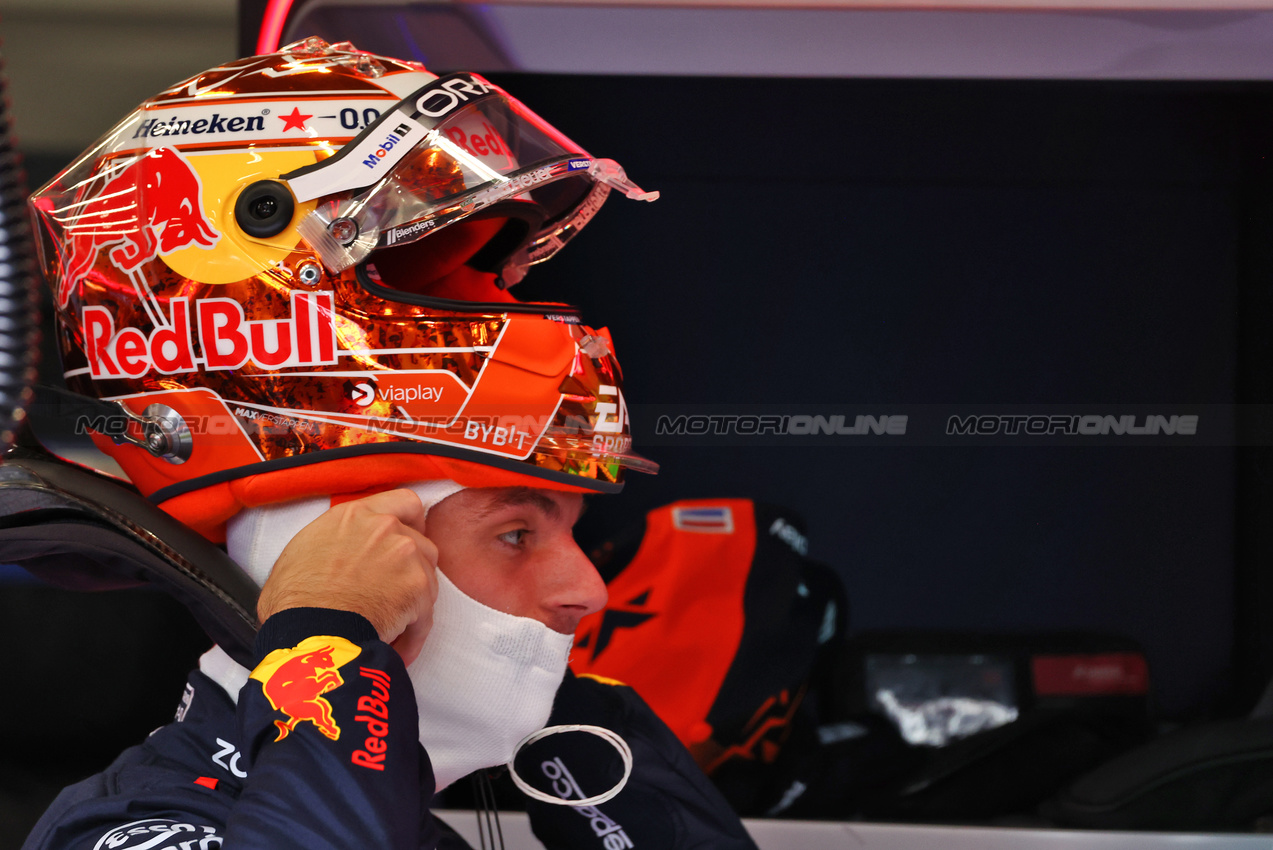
(295, 680)
(150, 206)
(226, 337)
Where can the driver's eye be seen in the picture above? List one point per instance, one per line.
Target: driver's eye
(515, 537)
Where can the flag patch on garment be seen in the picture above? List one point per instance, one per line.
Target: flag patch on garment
(704, 520)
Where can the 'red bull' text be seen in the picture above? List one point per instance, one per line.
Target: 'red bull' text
(374, 710)
(227, 339)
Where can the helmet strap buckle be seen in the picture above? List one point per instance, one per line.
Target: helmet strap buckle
(164, 433)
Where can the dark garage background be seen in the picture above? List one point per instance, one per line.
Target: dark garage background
(874, 247)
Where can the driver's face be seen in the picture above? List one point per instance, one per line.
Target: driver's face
(513, 549)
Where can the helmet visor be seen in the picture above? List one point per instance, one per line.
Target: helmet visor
(450, 149)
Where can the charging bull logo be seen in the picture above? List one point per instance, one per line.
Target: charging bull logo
(294, 681)
(148, 207)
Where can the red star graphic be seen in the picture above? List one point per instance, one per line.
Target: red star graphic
(294, 121)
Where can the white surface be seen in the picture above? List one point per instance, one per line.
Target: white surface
(874, 43)
(1060, 39)
(929, 5)
(809, 835)
(788, 835)
(123, 52)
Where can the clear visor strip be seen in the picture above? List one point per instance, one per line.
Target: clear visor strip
(367, 163)
(339, 255)
(612, 174)
(350, 172)
(371, 156)
(611, 737)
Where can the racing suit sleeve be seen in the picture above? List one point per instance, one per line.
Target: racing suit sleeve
(322, 750)
(668, 801)
(329, 728)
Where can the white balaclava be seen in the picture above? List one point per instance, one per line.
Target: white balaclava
(484, 679)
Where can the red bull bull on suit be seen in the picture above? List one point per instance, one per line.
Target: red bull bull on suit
(294, 681)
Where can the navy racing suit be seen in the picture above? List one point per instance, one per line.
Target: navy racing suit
(322, 750)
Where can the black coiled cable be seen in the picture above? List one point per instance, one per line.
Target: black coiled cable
(19, 319)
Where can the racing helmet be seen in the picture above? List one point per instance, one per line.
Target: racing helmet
(290, 275)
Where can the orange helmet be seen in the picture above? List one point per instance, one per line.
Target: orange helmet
(305, 257)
